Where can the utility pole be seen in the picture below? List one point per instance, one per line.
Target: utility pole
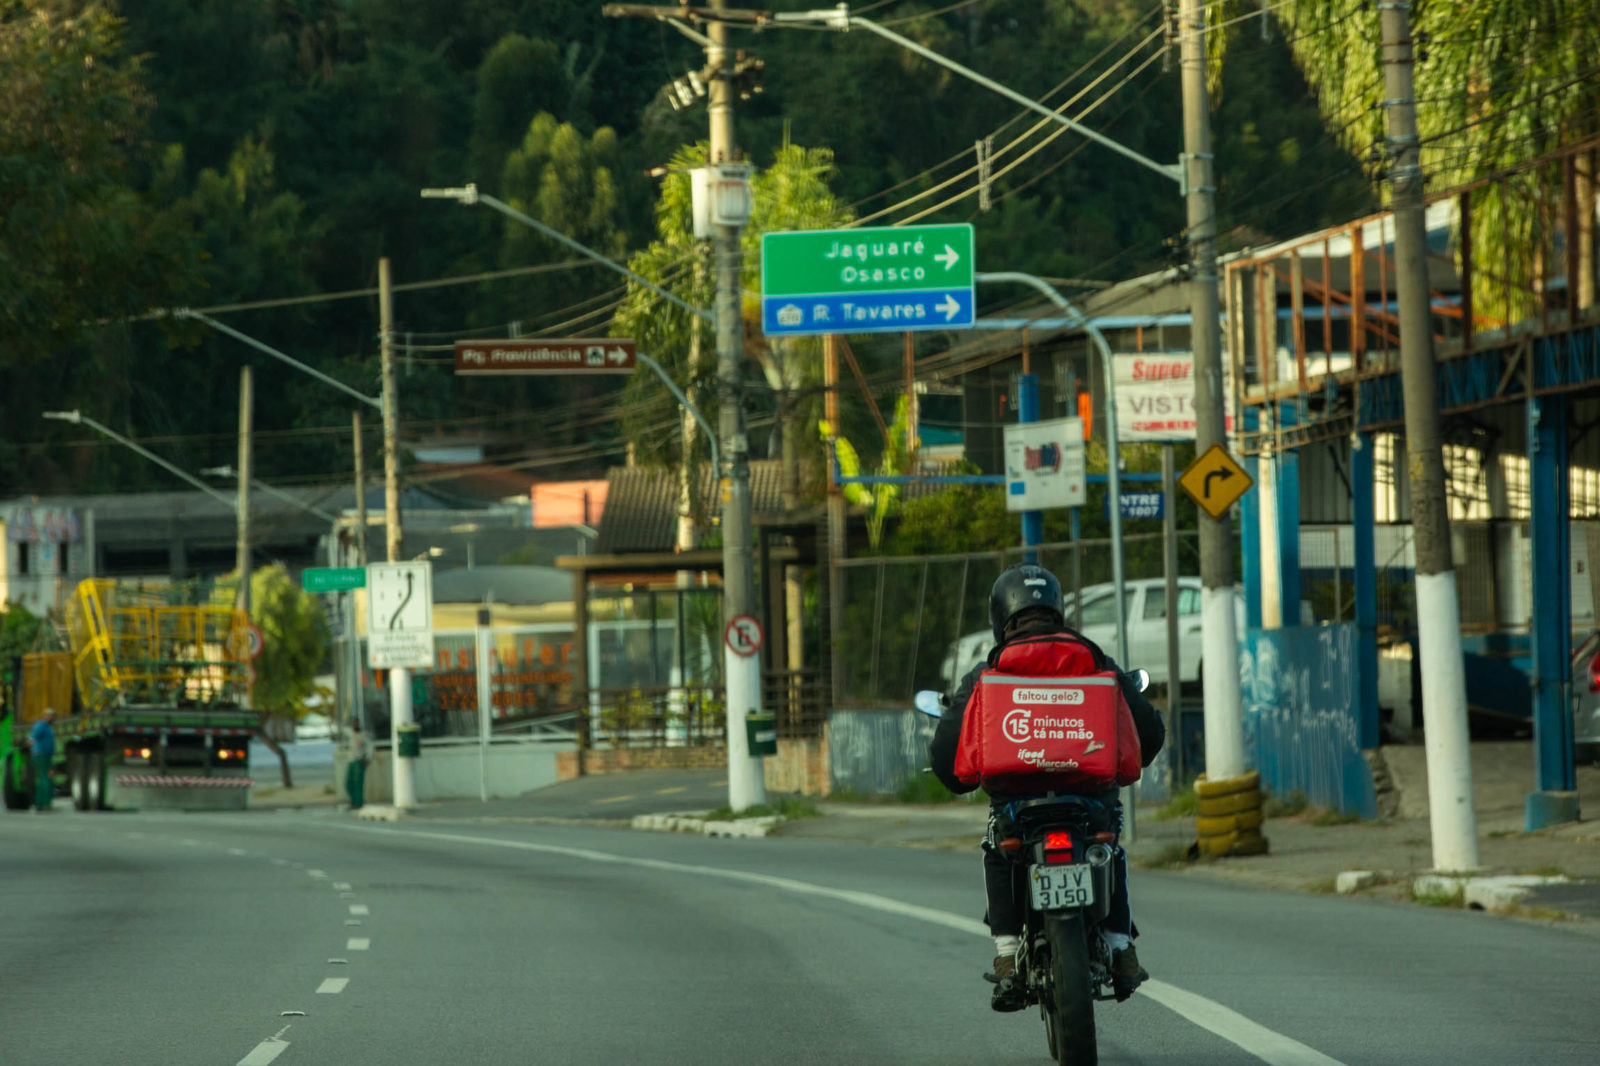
(405, 790)
(1444, 688)
(1224, 720)
(361, 489)
(242, 550)
(746, 786)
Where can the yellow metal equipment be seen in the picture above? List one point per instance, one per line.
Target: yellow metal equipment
(144, 645)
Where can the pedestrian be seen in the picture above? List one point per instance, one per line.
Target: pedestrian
(42, 740)
(355, 773)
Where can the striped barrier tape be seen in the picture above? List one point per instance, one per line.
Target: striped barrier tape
(165, 781)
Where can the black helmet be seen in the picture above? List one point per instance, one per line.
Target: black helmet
(1019, 588)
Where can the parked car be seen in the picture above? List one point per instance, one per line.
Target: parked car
(1586, 700)
(1147, 629)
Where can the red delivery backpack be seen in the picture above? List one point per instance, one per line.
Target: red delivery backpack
(1045, 717)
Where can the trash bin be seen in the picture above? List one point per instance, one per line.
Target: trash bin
(761, 730)
(410, 740)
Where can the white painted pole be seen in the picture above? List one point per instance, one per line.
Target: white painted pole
(1451, 818)
(405, 785)
(483, 640)
(747, 785)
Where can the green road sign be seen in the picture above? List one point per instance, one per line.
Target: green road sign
(334, 579)
(887, 278)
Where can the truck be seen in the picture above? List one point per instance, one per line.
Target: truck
(149, 699)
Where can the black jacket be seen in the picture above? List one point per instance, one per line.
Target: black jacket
(942, 749)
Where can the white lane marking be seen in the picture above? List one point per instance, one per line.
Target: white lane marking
(1269, 1046)
(1265, 1044)
(280, 862)
(189, 843)
(264, 1052)
(358, 943)
(318, 874)
(237, 851)
(332, 986)
(358, 908)
(352, 921)
(341, 886)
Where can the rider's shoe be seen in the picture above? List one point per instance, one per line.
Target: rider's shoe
(1126, 973)
(1008, 994)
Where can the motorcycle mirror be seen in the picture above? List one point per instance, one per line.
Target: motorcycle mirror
(1141, 679)
(928, 702)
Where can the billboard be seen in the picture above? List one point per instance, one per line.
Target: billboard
(1155, 396)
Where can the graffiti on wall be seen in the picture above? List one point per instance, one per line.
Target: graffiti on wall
(1299, 686)
(877, 752)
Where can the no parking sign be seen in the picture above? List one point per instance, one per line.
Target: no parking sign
(744, 635)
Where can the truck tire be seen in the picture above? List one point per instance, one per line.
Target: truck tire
(94, 763)
(75, 780)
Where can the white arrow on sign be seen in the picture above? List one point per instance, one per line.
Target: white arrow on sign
(950, 308)
(617, 356)
(949, 257)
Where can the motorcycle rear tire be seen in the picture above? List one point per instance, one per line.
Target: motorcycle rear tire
(1073, 991)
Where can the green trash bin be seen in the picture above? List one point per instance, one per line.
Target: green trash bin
(761, 730)
(410, 740)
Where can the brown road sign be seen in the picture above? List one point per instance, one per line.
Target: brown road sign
(1216, 481)
(572, 355)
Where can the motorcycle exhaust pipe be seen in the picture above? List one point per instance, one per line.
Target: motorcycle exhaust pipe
(1098, 855)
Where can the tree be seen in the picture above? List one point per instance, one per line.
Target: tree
(78, 241)
(1503, 81)
(794, 193)
(294, 644)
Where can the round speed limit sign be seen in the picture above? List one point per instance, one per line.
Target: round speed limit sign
(744, 635)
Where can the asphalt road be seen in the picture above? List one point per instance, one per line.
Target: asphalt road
(179, 939)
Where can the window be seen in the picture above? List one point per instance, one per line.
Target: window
(1102, 610)
(1155, 602)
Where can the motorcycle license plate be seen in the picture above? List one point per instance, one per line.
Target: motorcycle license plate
(1055, 887)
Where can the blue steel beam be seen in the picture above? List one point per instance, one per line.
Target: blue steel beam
(1550, 535)
(1362, 499)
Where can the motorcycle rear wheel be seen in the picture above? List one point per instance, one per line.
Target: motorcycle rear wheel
(1072, 989)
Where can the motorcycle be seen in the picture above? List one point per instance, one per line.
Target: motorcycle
(1064, 851)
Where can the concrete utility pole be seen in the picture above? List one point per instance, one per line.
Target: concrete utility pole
(1223, 716)
(405, 789)
(1444, 685)
(746, 786)
(361, 489)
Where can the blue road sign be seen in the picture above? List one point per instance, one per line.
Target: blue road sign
(867, 312)
(1139, 504)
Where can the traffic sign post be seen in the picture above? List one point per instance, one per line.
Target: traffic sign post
(1215, 481)
(744, 635)
(571, 355)
(334, 579)
(887, 279)
(399, 615)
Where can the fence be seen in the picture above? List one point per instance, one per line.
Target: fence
(909, 623)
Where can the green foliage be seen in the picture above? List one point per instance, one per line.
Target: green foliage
(925, 788)
(1504, 82)
(1183, 804)
(1285, 806)
(294, 642)
(19, 630)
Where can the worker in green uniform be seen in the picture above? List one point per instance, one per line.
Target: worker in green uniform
(355, 772)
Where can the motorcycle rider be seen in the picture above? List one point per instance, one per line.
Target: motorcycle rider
(1026, 601)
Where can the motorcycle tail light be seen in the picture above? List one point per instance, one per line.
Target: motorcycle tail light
(1057, 847)
(1105, 837)
(1594, 673)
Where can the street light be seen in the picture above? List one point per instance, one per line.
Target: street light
(230, 473)
(79, 419)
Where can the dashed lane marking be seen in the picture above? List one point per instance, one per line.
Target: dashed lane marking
(332, 986)
(358, 909)
(670, 791)
(358, 943)
(1268, 1045)
(613, 799)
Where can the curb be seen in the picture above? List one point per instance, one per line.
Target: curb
(686, 823)
(379, 813)
(1496, 895)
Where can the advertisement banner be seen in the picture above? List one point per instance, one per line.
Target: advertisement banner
(1155, 396)
(1045, 465)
